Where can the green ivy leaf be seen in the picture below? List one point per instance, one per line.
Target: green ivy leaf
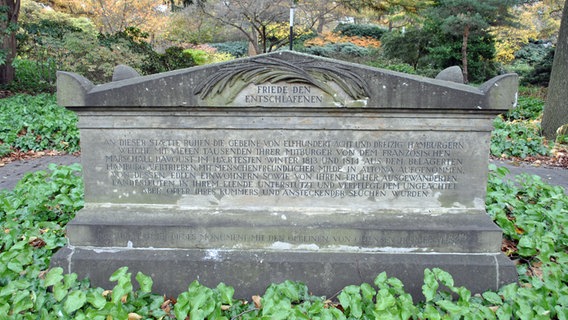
(145, 282)
(181, 308)
(444, 277)
(431, 313)
(96, 299)
(350, 299)
(385, 300)
(59, 291)
(381, 279)
(492, 298)
(226, 293)
(21, 301)
(75, 301)
(527, 246)
(452, 307)
(54, 276)
(123, 288)
(430, 285)
(4, 308)
(367, 292)
(524, 310)
(118, 274)
(505, 312)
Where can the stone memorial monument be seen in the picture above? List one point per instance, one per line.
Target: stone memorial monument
(285, 166)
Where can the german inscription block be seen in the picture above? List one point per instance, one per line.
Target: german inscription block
(284, 168)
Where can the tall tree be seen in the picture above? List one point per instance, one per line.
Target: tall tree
(9, 12)
(386, 5)
(391, 10)
(465, 18)
(318, 13)
(264, 23)
(177, 5)
(113, 16)
(556, 110)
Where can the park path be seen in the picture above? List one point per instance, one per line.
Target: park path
(12, 172)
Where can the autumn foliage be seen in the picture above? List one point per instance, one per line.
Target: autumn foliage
(333, 38)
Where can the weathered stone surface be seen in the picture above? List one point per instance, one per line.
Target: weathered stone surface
(286, 160)
(285, 166)
(293, 230)
(217, 85)
(453, 74)
(251, 271)
(122, 72)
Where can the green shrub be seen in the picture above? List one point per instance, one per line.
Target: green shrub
(136, 41)
(521, 68)
(528, 108)
(536, 59)
(533, 52)
(444, 50)
(41, 46)
(541, 74)
(350, 49)
(236, 49)
(40, 42)
(85, 55)
(325, 51)
(392, 64)
(59, 41)
(360, 30)
(34, 76)
(176, 58)
(36, 123)
(517, 139)
(409, 47)
(200, 57)
(346, 51)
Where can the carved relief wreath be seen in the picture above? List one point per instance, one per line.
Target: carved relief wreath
(230, 80)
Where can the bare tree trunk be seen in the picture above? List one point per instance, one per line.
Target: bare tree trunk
(11, 10)
(464, 53)
(254, 48)
(321, 23)
(7, 72)
(556, 109)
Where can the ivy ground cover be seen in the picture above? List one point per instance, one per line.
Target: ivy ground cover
(532, 214)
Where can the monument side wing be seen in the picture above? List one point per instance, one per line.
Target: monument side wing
(72, 89)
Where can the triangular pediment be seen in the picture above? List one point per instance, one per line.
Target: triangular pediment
(285, 79)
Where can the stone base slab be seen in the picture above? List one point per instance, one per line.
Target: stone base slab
(251, 271)
(143, 227)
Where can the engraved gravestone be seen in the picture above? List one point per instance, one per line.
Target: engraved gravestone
(285, 166)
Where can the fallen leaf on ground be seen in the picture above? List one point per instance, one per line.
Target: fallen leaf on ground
(257, 302)
(134, 316)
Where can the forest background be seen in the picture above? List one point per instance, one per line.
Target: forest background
(90, 37)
